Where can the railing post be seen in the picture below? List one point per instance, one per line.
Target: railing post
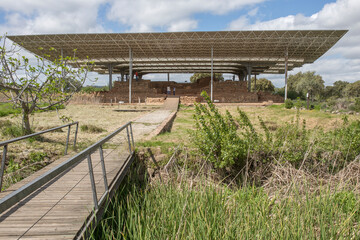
(92, 180)
(132, 136)
(67, 140)
(3, 166)
(128, 137)
(76, 132)
(103, 168)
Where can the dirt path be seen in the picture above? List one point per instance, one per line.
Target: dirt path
(144, 125)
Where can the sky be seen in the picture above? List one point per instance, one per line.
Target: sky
(342, 62)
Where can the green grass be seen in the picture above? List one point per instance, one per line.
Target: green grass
(7, 109)
(172, 211)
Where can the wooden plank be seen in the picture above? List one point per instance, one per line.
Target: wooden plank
(58, 209)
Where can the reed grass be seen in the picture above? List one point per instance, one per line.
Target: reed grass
(185, 211)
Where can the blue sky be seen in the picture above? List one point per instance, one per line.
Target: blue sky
(342, 62)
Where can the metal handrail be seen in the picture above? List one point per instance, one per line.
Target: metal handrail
(24, 191)
(6, 143)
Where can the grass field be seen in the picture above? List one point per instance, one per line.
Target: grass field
(193, 200)
(51, 145)
(273, 116)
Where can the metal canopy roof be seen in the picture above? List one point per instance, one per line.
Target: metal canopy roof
(189, 52)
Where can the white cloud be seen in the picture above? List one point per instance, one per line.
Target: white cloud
(342, 61)
(253, 12)
(188, 24)
(145, 15)
(54, 16)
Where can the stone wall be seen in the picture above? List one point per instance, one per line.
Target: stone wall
(226, 92)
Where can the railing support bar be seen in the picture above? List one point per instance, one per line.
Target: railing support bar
(132, 136)
(76, 132)
(128, 137)
(3, 166)
(103, 168)
(67, 140)
(92, 180)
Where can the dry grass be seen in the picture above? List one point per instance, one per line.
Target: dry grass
(53, 144)
(283, 179)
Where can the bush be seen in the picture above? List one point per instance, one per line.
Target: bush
(288, 104)
(92, 89)
(216, 136)
(12, 131)
(91, 128)
(7, 109)
(356, 106)
(226, 141)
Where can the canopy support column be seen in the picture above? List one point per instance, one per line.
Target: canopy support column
(110, 76)
(122, 76)
(168, 75)
(249, 69)
(255, 81)
(286, 71)
(212, 74)
(130, 72)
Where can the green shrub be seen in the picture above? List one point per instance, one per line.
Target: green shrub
(7, 109)
(37, 157)
(356, 106)
(12, 131)
(91, 89)
(91, 128)
(288, 104)
(216, 135)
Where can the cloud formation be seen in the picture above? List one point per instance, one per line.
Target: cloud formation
(341, 62)
(51, 16)
(170, 15)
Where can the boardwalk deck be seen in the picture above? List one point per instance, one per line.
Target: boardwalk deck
(58, 209)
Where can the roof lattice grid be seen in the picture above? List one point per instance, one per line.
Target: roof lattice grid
(189, 51)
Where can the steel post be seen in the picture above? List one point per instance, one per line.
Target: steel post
(103, 168)
(132, 136)
(110, 76)
(76, 132)
(212, 74)
(3, 166)
(249, 69)
(67, 140)
(286, 71)
(130, 72)
(92, 180)
(255, 82)
(128, 137)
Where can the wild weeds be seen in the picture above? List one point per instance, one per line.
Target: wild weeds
(230, 141)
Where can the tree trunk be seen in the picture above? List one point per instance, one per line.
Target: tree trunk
(25, 120)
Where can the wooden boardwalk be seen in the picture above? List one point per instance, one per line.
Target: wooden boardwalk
(59, 209)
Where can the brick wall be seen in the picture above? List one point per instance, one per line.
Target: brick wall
(227, 92)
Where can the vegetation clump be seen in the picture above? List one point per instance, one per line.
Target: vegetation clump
(288, 104)
(91, 128)
(228, 141)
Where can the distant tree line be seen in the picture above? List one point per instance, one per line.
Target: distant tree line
(309, 82)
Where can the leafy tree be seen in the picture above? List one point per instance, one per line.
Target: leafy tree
(197, 76)
(336, 90)
(262, 84)
(352, 90)
(307, 82)
(40, 86)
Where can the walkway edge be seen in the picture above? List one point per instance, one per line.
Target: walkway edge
(165, 126)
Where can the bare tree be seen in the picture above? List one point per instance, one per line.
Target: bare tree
(41, 85)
